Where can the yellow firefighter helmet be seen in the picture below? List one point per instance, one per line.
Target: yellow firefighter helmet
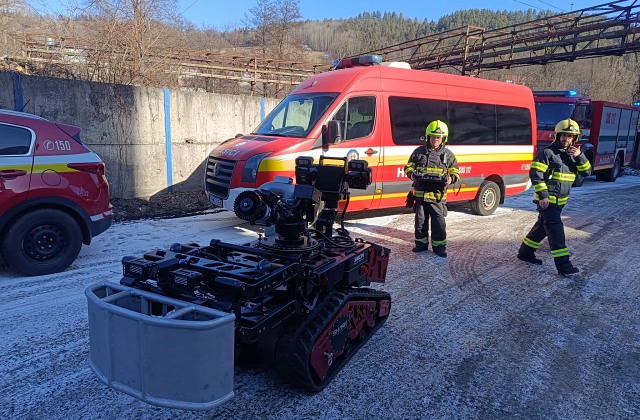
(437, 128)
(568, 126)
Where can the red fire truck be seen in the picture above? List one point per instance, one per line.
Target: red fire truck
(609, 130)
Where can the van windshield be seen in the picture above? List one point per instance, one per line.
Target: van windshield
(296, 115)
(549, 113)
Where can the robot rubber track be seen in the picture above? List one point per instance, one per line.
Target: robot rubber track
(313, 352)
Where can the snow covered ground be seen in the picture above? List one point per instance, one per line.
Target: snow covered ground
(477, 335)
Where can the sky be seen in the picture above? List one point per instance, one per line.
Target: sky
(224, 14)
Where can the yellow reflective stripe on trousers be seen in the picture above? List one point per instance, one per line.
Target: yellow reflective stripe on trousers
(532, 244)
(422, 240)
(558, 201)
(561, 176)
(438, 243)
(435, 196)
(428, 195)
(562, 252)
(539, 166)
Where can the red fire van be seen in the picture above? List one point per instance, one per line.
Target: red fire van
(382, 110)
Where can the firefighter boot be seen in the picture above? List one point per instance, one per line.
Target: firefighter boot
(440, 251)
(568, 269)
(420, 247)
(528, 254)
(564, 266)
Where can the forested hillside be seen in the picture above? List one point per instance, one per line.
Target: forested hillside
(273, 30)
(370, 31)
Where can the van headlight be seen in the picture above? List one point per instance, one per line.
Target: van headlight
(250, 172)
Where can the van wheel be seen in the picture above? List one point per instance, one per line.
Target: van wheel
(613, 173)
(487, 199)
(42, 242)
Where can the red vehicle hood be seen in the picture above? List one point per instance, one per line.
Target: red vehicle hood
(242, 148)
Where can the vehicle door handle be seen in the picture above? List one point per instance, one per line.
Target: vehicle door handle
(370, 152)
(12, 173)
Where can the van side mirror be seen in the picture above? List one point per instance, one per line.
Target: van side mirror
(331, 134)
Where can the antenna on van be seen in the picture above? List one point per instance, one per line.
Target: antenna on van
(25, 105)
(336, 63)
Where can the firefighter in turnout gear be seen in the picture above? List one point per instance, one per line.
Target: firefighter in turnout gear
(552, 173)
(432, 168)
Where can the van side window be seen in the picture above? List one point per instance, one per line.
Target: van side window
(357, 116)
(14, 141)
(472, 123)
(469, 124)
(514, 125)
(410, 116)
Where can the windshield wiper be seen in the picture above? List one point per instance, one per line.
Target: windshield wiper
(546, 125)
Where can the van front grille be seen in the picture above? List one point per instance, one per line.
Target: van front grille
(218, 176)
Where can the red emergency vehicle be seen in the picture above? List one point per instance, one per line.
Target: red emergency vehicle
(608, 129)
(53, 193)
(376, 111)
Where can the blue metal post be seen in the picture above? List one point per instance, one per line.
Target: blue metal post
(18, 99)
(167, 134)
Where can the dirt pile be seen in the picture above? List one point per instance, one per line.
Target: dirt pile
(164, 205)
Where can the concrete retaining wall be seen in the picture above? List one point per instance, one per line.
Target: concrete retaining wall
(127, 127)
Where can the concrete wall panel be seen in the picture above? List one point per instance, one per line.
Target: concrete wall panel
(125, 125)
(6, 90)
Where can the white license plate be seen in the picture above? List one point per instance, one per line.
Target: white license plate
(216, 201)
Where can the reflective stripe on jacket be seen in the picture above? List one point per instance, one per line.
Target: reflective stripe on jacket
(440, 162)
(553, 171)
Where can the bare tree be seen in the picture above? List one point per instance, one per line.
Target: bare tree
(13, 6)
(276, 26)
(262, 18)
(132, 35)
(635, 96)
(10, 12)
(286, 28)
(165, 11)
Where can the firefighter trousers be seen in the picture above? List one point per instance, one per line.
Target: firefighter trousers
(424, 211)
(549, 225)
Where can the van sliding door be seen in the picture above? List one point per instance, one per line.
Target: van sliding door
(360, 139)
